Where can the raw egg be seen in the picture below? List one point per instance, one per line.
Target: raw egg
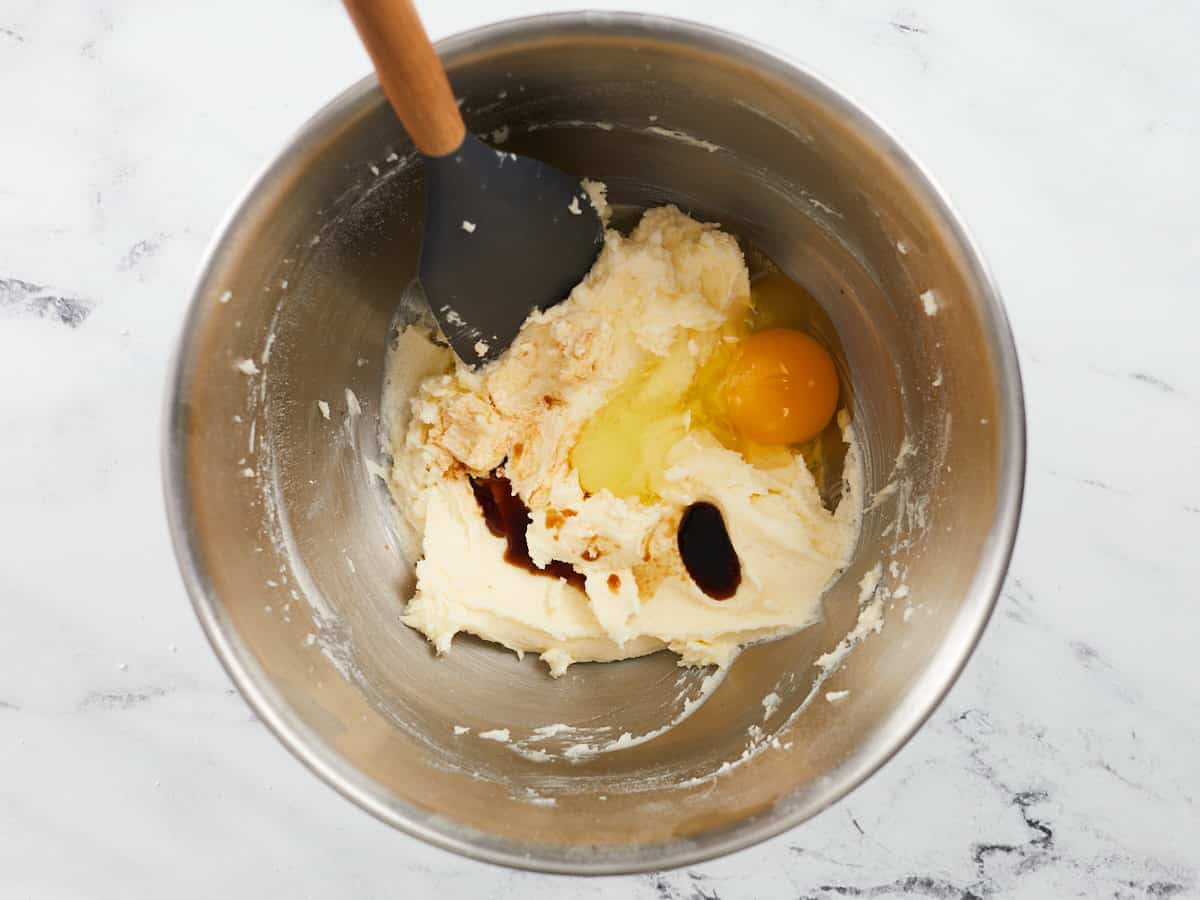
(782, 388)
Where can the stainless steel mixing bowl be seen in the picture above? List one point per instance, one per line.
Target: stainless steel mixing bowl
(288, 542)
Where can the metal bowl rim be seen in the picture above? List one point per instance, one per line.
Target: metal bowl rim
(928, 692)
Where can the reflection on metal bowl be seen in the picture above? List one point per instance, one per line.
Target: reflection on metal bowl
(289, 545)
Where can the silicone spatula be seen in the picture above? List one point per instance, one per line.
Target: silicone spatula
(504, 234)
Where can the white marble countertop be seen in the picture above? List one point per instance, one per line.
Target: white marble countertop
(1066, 761)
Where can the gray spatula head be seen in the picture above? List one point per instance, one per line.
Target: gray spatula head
(504, 235)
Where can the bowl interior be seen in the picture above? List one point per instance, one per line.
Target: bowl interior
(295, 554)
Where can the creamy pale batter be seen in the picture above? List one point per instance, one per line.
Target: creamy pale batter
(668, 292)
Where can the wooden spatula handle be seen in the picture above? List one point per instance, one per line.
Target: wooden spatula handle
(410, 73)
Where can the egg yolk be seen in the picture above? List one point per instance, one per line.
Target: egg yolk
(782, 388)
